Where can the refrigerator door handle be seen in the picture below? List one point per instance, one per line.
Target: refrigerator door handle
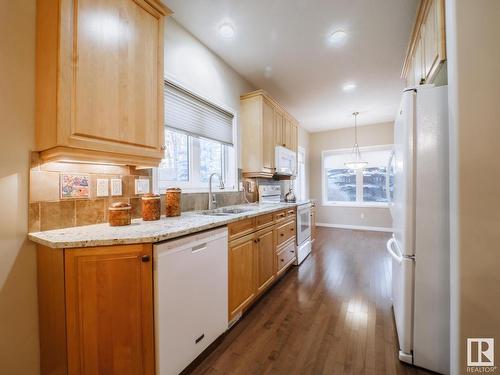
(397, 257)
(387, 178)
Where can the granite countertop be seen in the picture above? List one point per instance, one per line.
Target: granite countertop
(147, 231)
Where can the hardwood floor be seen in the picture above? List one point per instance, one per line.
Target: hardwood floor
(331, 315)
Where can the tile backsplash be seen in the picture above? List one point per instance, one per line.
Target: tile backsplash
(48, 211)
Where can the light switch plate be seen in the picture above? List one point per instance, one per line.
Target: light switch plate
(141, 186)
(116, 186)
(102, 187)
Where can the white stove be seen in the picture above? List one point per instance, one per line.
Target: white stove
(269, 193)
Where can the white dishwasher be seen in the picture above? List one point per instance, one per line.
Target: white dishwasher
(190, 283)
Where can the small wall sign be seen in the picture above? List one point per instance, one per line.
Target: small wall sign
(75, 185)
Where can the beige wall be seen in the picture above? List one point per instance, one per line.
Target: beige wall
(195, 67)
(304, 142)
(18, 301)
(370, 135)
(473, 34)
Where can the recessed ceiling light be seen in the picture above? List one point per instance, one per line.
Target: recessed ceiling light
(349, 86)
(337, 37)
(226, 30)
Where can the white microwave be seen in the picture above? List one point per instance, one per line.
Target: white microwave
(285, 162)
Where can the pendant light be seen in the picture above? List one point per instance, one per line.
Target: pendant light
(356, 161)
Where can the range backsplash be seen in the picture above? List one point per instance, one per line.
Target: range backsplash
(48, 211)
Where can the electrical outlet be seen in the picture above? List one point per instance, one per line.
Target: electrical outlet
(141, 186)
(116, 186)
(102, 189)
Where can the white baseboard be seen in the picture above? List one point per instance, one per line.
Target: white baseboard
(355, 227)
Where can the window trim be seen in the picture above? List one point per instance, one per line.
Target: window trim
(188, 186)
(357, 203)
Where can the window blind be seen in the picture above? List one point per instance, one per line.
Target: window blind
(191, 114)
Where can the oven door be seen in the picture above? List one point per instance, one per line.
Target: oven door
(303, 223)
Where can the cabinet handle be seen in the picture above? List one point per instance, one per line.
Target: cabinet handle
(163, 147)
(284, 145)
(282, 260)
(292, 251)
(292, 229)
(282, 234)
(145, 258)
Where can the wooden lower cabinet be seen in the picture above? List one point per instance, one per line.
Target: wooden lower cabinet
(285, 232)
(241, 263)
(266, 269)
(103, 324)
(253, 258)
(285, 256)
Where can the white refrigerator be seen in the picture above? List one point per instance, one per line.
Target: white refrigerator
(419, 246)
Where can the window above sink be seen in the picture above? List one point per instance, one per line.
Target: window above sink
(199, 140)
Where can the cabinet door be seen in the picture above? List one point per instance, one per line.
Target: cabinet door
(116, 80)
(287, 131)
(418, 63)
(109, 309)
(294, 136)
(265, 260)
(433, 39)
(241, 264)
(267, 136)
(278, 128)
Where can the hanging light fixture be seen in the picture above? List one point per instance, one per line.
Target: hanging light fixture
(356, 162)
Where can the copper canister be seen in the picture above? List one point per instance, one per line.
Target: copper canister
(173, 202)
(120, 213)
(151, 207)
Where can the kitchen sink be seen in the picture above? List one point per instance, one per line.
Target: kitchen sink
(235, 210)
(212, 213)
(226, 211)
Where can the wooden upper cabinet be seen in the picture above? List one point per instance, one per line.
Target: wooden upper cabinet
(427, 49)
(267, 136)
(100, 80)
(286, 130)
(279, 139)
(101, 285)
(294, 136)
(418, 63)
(264, 125)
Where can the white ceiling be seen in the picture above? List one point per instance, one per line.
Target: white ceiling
(291, 37)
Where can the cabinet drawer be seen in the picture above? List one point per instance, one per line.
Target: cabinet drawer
(285, 232)
(265, 220)
(290, 213)
(286, 256)
(241, 228)
(279, 216)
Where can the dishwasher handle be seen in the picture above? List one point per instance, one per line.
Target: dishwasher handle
(198, 248)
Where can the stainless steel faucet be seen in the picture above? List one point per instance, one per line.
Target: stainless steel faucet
(212, 202)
